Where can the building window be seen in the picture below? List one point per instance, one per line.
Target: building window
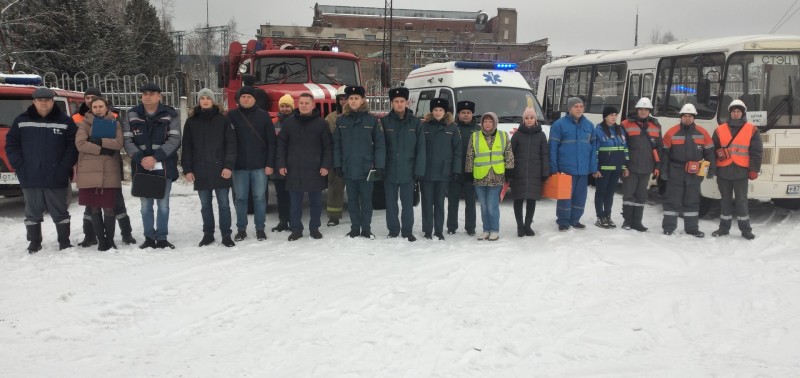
(403, 38)
(369, 37)
(277, 33)
(340, 36)
(505, 34)
(506, 20)
(430, 39)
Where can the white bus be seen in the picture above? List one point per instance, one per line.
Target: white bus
(761, 70)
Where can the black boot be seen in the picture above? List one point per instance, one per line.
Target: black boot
(125, 230)
(528, 222)
(148, 243)
(207, 239)
(282, 226)
(89, 239)
(99, 231)
(518, 218)
(638, 214)
(34, 237)
(110, 226)
(627, 216)
(62, 230)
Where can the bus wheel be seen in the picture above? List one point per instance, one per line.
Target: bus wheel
(787, 203)
(705, 205)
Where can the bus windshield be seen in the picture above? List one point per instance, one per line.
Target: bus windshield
(507, 103)
(334, 71)
(768, 84)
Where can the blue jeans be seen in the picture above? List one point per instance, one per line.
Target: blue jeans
(243, 182)
(570, 211)
(207, 210)
(489, 197)
(161, 229)
(604, 192)
(296, 210)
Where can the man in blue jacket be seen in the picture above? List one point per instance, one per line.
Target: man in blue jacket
(152, 136)
(572, 152)
(41, 148)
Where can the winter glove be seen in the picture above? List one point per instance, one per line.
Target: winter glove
(96, 141)
(509, 174)
(752, 175)
(338, 172)
(455, 177)
(108, 151)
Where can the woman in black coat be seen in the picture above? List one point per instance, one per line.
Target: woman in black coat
(531, 169)
(208, 159)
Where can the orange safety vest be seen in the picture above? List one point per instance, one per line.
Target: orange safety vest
(740, 147)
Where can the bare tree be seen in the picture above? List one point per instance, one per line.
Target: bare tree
(659, 38)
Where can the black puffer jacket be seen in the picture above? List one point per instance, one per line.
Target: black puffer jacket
(209, 146)
(255, 141)
(531, 162)
(304, 146)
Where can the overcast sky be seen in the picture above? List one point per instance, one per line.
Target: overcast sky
(571, 26)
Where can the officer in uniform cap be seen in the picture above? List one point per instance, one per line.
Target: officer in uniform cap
(466, 126)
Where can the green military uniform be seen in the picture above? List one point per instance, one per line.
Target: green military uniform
(405, 162)
(442, 162)
(465, 186)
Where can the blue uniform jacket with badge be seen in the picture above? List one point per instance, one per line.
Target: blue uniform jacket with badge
(157, 135)
(42, 149)
(443, 147)
(572, 149)
(358, 143)
(405, 147)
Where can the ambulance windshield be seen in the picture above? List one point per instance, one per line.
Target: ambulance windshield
(507, 103)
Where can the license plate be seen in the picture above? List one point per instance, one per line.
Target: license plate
(793, 189)
(8, 178)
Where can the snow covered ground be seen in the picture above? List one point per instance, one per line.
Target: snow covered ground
(581, 303)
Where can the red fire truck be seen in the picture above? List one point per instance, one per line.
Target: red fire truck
(282, 68)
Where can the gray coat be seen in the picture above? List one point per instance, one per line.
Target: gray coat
(531, 162)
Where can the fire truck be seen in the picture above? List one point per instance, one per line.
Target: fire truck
(281, 68)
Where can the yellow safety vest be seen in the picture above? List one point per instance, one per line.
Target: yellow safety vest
(488, 158)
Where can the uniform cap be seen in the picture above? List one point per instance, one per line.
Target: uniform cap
(440, 103)
(398, 92)
(355, 90)
(150, 87)
(465, 105)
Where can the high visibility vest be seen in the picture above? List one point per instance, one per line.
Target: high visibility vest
(739, 148)
(488, 158)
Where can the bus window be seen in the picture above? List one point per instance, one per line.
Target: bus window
(647, 85)
(548, 97)
(607, 87)
(691, 79)
(557, 95)
(768, 84)
(424, 103)
(634, 92)
(576, 84)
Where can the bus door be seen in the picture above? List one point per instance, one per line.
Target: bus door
(552, 95)
(640, 84)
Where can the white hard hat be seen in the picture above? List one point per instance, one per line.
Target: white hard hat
(688, 109)
(738, 103)
(340, 91)
(644, 103)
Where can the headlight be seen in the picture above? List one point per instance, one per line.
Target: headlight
(243, 68)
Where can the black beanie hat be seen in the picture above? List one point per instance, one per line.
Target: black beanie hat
(465, 105)
(246, 90)
(440, 103)
(609, 110)
(92, 91)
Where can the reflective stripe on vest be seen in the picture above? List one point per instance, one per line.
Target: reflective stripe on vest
(739, 148)
(485, 157)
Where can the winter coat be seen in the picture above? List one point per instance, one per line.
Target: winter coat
(256, 141)
(442, 148)
(733, 171)
(642, 138)
(331, 120)
(405, 147)
(612, 149)
(358, 143)
(304, 146)
(571, 146)
(531, 162)
(209, 146)
(466, 130)
(682, 144)
(157, 135)
(42, 149)
(278, 122)
(95, 170)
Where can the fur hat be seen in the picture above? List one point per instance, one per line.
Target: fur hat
(465, 105)
(150, 87)
(43, 92)
(205, 92)
(398, 92)
(609, 110)
(440, 103)
(355, 90)
(286, 100)
(572, 101)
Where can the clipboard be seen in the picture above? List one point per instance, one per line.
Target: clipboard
(104, 128)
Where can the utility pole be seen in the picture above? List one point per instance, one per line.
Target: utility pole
(636, 29)
(387, 42)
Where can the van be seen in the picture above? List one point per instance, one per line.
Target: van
(493, 87)
(15, 98)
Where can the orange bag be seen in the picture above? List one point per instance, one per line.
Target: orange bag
(558, 186)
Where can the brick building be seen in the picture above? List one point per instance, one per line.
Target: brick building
(419, 37)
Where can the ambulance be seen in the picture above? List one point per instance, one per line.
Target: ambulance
(492, 86)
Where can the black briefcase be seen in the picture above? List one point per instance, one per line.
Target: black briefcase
(148, 186)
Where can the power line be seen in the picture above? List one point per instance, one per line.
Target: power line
(787, 19)
(781, 20)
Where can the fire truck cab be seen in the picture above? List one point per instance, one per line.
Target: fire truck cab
(15, 98)
(281, 69)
